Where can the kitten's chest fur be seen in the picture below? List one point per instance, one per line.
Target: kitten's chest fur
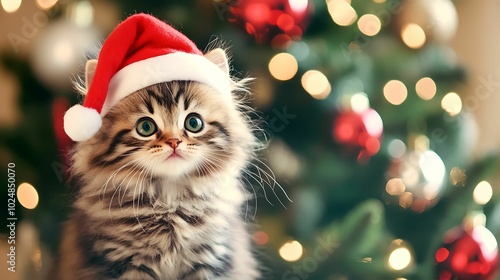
(183, 235)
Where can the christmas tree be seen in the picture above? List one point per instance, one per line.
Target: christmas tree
(367, 173)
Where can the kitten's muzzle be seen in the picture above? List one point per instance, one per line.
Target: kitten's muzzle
(173, 142)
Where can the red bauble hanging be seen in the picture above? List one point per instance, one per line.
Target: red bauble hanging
(467, 255)
(359, 132)
(275, 21)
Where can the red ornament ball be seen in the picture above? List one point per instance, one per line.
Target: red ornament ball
(467, 255)
(275, 21)
(359, 131)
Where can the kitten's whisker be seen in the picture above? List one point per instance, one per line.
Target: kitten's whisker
(136, 162)
(113, 175)
(133, 171)
(273, 177)
(216, 162)
(142, 176)
(260, 183)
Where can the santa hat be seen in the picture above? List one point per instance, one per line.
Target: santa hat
(140, 52)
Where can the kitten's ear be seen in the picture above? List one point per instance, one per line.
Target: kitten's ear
(219, 58)
(89, 72)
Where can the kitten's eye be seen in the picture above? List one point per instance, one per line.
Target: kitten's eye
(193, 123)
(146, 127)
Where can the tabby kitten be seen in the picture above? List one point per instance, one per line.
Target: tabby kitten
(159, 191)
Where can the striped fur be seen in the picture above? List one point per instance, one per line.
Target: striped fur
(139, 215)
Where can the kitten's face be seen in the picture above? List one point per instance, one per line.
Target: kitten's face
(171, 130)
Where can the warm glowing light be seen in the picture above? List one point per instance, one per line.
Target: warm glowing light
(452, 103)
(283, 66)
(83, 13)
(406, 200)
(396, 148)
(342, 12)
(63, 52)
(291, 251)
(413, 36)
(298, 6)
(399, 259)
(316, 84)
(487, 241)
(426, 88)
(260, 238)
(45, 4)
(433, 171)
(421, 142)
(458, 176)
(478, 219)
(359, 102)
(395, 187)
(482, 193)
(27, 196)
(10, 6)
(395, 92)
(369, 25)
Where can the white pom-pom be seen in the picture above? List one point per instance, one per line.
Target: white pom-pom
(81, 123)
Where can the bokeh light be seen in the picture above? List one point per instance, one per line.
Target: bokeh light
(458, 176)
(27, 196)
(421, 142)
(45, 4)
(359, 102)
(400, 256)
(482, 193)
(291, 251)
(396, 148)
(316, 84)
(442, 254)
(395, 92)
(82, 13)
(283, 66)
(406, 200)
(11, 6)
(369, 25)
(285, 22)
(395, 187)
(413, 36)
(298, 6)
(342, 12)
(426, 88)
(260, 238)
(452, 103)
(433, 171)
(489, 245)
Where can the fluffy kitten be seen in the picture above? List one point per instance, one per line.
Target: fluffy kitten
(159, 191)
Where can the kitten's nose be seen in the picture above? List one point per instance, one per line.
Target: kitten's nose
(174, 142)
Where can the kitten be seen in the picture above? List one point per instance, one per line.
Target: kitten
(159, 188)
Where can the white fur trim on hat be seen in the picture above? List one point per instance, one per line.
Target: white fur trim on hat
(81, 123)
(178, 66)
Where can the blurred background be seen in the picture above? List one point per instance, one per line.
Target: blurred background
(381, 118)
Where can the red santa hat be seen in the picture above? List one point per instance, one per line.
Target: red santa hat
(140, 52)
